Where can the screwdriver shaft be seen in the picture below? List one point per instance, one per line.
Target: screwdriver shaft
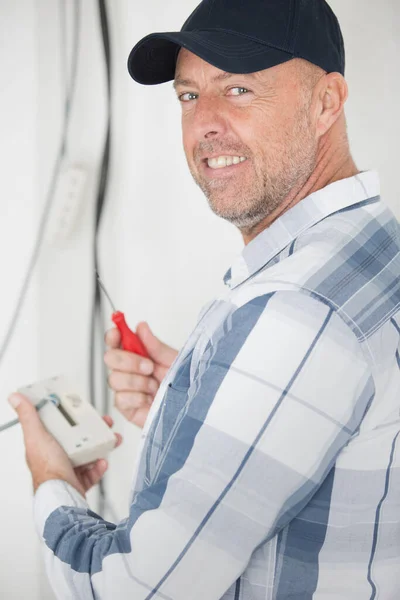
(105, 292)
(130, 341)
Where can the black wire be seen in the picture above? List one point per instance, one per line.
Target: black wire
(97, 320)
(69, 97)
(70, 88)
(101, 195)
(71, 78)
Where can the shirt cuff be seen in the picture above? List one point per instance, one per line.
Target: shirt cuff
(51, 495)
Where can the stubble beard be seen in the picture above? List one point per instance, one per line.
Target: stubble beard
(246, 205)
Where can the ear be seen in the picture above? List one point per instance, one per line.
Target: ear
(332, 95)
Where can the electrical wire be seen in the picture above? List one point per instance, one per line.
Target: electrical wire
(101, 195)
(70, 89)
(71, 78)
(69, 97)
(38, 407)
(97, 320)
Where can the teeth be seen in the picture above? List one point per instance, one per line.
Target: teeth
(221, 161)
(224, 161)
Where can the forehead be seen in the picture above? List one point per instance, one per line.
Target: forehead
(188, 63)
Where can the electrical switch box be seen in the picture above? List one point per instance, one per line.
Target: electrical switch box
(72, 421)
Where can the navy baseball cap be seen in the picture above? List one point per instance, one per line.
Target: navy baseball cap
(244, 36)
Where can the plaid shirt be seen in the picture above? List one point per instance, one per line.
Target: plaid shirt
(269, 466)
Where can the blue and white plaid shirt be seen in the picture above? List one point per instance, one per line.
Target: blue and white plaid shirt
(269, 466)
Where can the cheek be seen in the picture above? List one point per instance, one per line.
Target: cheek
(188, 141)
(277, 136)
(260, 130)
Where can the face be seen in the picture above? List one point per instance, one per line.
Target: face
(248, 139)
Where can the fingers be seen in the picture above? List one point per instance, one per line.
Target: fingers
(108, 420)
(84, 468)
(159, 372)
(118, 440)
(118, 437)
(112, 338)
(128, 401)
(130, 382)
(121, 360)
(31, 424)
(162, 354)
(136, 416)
(90, 475)
(158, 351)
(134, 379)
(133, 406)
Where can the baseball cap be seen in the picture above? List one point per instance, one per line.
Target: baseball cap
(244, 36)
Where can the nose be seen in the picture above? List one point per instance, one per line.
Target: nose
(209, 120)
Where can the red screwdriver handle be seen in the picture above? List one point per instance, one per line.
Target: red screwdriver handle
(130, 341)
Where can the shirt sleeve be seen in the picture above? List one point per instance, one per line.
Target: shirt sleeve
(234, 454)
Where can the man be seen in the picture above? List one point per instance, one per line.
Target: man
(270, 461)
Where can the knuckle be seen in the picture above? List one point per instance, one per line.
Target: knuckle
(122, 402)
(127, 402)
(131, 363)
(120, 381)
(121, 360)
(129, 382)
(137, 400)
(133, 382)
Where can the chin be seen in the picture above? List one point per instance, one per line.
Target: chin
(241, 219)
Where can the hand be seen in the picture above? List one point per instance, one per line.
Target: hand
(45, 457)
(134, 379)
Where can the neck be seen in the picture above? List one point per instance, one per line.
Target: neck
(334, 162)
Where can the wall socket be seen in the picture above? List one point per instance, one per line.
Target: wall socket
(68, 200)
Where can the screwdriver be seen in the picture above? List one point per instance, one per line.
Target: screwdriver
(129, 340)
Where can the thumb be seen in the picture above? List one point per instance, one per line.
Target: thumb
(161, 353)
(27, 415)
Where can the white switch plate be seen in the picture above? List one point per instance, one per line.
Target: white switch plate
(75, 423)
(67, 203)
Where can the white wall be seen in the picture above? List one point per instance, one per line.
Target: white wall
(18, 219)
(371, 34)
(163, 253)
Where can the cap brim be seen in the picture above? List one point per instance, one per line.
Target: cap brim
(153, 59)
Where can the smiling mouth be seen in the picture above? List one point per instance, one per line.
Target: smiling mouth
(221, 162)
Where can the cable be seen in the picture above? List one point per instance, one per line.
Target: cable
(52, 398)
(70, 88)
(101, 194)
(69, 97)
(97, 305)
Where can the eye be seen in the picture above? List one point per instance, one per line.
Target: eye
(238, 91)
(187, 97)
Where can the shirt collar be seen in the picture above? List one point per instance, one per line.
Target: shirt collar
(312, 209)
